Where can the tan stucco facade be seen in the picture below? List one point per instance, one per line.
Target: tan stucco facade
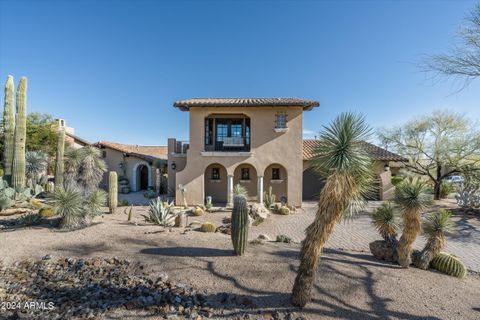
(280, 148)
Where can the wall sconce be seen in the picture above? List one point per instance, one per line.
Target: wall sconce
(174, 166)
(386, 167)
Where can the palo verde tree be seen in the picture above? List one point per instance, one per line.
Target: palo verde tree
(437, 145)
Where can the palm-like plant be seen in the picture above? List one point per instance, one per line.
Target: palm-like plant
(68, 203)
(92, 169)
(94, 203)
(386, 221)
(240, 190)
(412, 197)
(347, 167)
(35, 164)
(436, 226)
(73, 160)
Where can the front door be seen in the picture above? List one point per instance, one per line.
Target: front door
(144, 178)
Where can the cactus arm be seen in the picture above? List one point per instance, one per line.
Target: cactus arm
(59, 163)
(112, 191)
(18, 166)
(9, 128)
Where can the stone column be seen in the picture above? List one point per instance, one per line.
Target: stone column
(260, 189)
(230, 190)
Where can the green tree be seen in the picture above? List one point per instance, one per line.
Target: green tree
(41, 135)
(437, 145)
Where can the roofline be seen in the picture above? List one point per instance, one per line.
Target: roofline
(182, 105)
(133, 154)
(77, 138)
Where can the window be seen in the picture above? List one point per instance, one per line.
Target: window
(275, 173)
(245, 173)
(215, 173)
(104, 154)
(208, 131)
(281, 120)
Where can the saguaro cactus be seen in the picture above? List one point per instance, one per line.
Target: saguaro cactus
(59, 163)
(9, 129)
(240, 224)
(112, 191)
(18, 166)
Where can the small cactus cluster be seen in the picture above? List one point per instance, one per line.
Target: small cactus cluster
(46, 212)
(198, 212)
(283, 210)
(239, 224)
(449, 264)
(208, 227)
(268, 198)
(112, 191)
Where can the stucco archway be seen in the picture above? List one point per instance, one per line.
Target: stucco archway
(137, 170)
(276, 176)
(215, 183)
(246, 175)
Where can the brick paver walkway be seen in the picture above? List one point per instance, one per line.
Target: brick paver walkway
(357, 234)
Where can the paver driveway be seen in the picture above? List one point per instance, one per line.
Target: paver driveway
(357, 234)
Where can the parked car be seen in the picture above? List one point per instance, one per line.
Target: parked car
(454, 179)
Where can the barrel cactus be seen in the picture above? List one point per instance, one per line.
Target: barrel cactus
(239, 224)
(9, 129)
(208, 227)
(449, 264)
(59, 163)
(112, 191)
(20, 136)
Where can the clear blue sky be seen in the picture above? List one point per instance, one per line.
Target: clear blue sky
(112, 69)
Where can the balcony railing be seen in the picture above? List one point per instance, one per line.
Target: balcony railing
(238, 144)
(181, 147)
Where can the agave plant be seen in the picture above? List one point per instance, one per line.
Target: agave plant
(35, 164)
(386, 221)
(68, 203)
(159, 212)
(347, 167)
(436, 226)
(240, 190)
(412, 197)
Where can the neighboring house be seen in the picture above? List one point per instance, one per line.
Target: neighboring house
(138, 160)
(70, 138)
(253, 142)
(386, 164)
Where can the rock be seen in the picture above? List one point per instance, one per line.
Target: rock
(258, 210)
(264, 237)
(382, 250)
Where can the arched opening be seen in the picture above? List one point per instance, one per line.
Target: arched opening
(215, 183)
(142, 177)
(246, 175)
(275, 176)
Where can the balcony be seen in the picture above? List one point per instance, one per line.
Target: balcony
(227, 133)
(181, 147)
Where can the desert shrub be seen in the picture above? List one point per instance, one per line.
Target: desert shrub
(36, 204)
(283, 238)
(283, 210)
(159, 213)
(198, 212)
(445, 189)
(46, 212)
(150, 194)
(396, 180)
(468, 197)
(258, 221)
(123, 203)
(29, 219)
(208, 227)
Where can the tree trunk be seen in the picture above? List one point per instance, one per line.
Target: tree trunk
(431, 249)
(412, 225)
(437, 183)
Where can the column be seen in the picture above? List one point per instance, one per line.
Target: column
(260, 189)
(230, 191)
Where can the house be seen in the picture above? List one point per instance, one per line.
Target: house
(70, 138)
(132, 162)
(255, 142)
(386, 164)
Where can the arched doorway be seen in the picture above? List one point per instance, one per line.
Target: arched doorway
(275, 176)
(246, 175)
(215, 183)
(142, 177)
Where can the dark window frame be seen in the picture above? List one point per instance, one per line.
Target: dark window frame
(215, 173)
(281, 120)
(245, 174)
(276, 174)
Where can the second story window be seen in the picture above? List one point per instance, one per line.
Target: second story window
(275, 173)
(208, 131)
(281, 120)
(245, 173)
(215, 173)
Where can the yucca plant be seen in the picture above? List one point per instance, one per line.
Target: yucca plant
(412, 197)
(386, 222)
(240, 190)
(92, 169)
(68, 203)
(35, 164)
(435, 227)
(94, 203)
(72, 163)
(159, 212)
(347, 167)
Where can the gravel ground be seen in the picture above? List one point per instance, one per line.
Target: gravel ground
(350, 285)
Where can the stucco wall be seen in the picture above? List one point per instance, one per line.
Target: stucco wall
(267, 147)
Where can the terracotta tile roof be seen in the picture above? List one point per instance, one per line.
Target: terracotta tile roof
(148, 153)
(184, 105)
(378, 153)
(77, 138)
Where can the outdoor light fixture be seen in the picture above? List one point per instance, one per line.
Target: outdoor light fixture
(386, 167)
(174, 166)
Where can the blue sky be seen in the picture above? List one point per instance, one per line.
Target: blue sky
(112, 69)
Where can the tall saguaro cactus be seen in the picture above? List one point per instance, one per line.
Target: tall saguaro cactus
(59, 163)
(18, 166)
(112, 191)
(240, 224)
(9, 129)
